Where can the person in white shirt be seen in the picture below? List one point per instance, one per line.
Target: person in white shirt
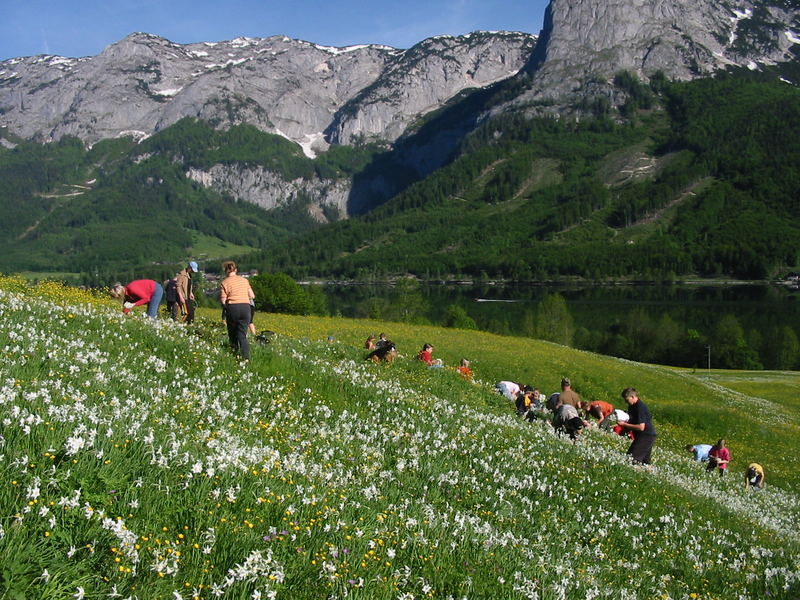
(509, 389)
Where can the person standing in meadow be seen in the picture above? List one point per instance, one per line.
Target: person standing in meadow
(138, 292)
(718, 457)
(171, 296)
(186, 291)
(235, 295)
(641, 424)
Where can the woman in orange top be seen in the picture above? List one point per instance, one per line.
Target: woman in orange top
(235, 294)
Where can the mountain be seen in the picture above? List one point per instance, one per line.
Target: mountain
(699, 181)
(290, 87)
(618, 143)
(586, 41)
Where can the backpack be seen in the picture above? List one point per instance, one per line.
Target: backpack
(171, 291)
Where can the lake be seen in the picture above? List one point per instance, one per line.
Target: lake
(509, 309)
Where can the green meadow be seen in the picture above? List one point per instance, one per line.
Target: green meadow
(141, 460)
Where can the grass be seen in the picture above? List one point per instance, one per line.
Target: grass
(142, 459)
(50, 276)
(209, 247)
(689, 406)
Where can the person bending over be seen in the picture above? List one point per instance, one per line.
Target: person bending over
(754, 477)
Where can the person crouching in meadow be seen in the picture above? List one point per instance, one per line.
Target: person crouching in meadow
(567, 420)
(425, 356)
(529, 404)
(699, 451)
(718, 457)
(754, 477)
(640, 422)
(136, 293)
(601, 411)
(464, 370)
(509, 389)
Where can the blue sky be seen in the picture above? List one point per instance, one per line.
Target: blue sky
(84, 27)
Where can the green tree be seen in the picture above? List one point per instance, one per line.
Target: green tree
(728, 346)
(317, 299)
(527, 326)
(280, 293)
(372, 308)
(783, 350)
(640, 332)
(410, 306)
(669, 339)
(456, 317)
(554, 321)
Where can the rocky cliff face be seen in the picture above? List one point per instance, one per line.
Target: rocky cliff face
(294, 88)
(264, 188)
(588, 41)
(425, 77)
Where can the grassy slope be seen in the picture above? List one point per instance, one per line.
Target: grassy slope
(755, 411)
(312, 474)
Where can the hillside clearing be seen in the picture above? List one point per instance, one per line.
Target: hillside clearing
(141, 459)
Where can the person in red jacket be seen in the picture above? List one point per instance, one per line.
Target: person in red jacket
(136, 293)
(425, 354)
(718, 458)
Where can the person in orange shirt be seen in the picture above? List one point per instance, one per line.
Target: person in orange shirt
(601, 411)
(235, 294)
(464, 370)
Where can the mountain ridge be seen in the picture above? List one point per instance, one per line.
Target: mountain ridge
(290, 87)
(385, 124)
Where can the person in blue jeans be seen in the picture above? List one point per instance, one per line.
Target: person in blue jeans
(136, 293)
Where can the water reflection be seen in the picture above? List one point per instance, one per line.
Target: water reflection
(697, 306)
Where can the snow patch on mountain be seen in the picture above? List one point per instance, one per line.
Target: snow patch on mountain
(311, 141)
(739, 15)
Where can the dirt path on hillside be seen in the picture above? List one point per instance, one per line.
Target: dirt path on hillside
(81, 189)
(690, 191)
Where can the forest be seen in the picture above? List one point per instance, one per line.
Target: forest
(532, 199)
(692, 179)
